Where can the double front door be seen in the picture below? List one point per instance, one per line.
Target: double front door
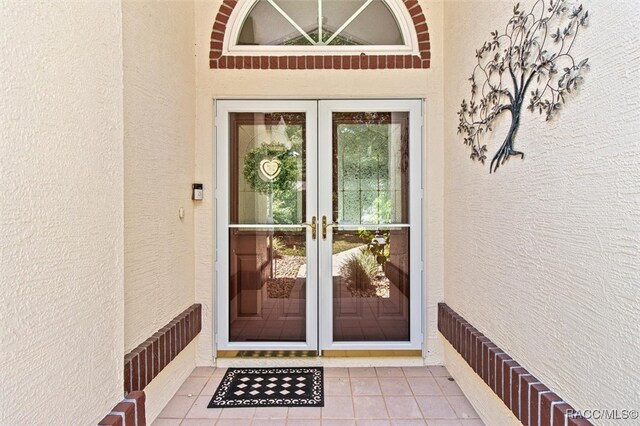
(318, 236)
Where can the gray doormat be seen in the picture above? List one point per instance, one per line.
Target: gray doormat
(270, 387)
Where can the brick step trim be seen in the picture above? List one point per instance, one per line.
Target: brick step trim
(145, 362)
(129, 412)
(528, 398)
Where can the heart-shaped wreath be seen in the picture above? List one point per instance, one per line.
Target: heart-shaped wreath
(271, 167)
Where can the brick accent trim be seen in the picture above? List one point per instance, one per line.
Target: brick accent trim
(145, 362)
(310, 62)
(530, 401)
(129, 412)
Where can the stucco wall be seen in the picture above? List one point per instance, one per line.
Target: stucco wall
(543, 255)
(61, 225)
(159, 140)
(159, 120)
(319, 84)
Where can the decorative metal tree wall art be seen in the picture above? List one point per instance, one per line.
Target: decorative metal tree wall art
(531, 60)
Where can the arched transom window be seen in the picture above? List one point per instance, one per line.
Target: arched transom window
(319, 23)
(307, 34)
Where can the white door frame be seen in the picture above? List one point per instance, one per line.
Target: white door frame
(319, 203)
(221, 292)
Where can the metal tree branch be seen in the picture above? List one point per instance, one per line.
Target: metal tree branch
(533, 51)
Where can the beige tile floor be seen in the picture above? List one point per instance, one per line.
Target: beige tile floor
(353, 396)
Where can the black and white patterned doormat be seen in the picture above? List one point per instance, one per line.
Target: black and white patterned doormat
(270, 387)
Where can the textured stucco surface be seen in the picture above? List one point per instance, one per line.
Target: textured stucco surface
(319, 84)
(61, 221)
(543, 256)
(159, 121)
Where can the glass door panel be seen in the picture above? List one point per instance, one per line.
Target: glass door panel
(267, 265)
(370, 167)
(373, 292)
(370, 188)
(267, 286)
(371, 288)
(268, 175)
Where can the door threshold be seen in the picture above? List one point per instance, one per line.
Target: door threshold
(312, 354)
(267, 354)
(371, 353)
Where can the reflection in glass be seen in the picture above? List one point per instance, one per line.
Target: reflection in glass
(370, 156)
(267, 264)
(371, 285)
(370, 256)
(267, 285)
(267, 168)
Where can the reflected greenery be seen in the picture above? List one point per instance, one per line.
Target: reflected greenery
(286, 188)
(363, 167)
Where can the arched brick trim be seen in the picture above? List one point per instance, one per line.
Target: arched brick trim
(363, 61)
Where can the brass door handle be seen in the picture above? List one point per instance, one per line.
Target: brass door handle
(325, 226)
(313, 225)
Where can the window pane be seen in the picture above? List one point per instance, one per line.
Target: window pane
(266, 25)
(267, 171)
(375, 25)
(371, 173)
(371, 285)
(267, 285)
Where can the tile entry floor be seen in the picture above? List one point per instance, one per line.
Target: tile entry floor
(352, 396)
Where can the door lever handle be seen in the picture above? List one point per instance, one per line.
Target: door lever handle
(325, 226)
(313, 225)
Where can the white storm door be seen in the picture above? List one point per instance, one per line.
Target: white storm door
(266, 201)
(370, 236)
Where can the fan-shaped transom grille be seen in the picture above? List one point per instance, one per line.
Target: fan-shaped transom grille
(320, 23)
